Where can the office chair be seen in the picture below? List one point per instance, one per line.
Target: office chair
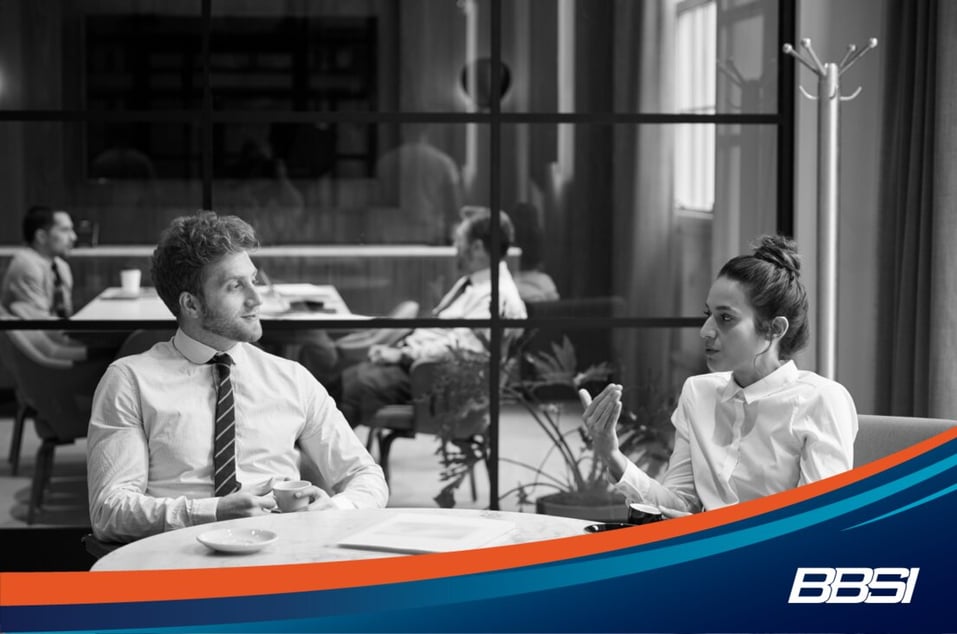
(22, 411)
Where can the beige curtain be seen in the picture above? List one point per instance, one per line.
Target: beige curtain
(943, 311)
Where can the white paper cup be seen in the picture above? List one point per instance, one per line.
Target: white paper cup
(130, 281)
(285, 494)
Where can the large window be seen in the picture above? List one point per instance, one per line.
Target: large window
(639, 144)
(695, 61)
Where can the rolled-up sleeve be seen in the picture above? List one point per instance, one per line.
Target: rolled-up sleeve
(118, 469)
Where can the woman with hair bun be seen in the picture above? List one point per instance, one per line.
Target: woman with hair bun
(755, 425)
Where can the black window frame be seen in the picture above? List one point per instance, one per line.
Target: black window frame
(209, 117)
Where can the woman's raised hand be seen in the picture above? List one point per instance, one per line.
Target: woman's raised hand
(601, 417)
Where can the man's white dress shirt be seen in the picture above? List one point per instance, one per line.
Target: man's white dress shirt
(734, 444)
(469, 298)
(150, 443)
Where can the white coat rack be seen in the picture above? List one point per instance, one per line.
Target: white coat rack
(828, 98)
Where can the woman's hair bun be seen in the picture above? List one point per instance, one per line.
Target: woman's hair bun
(779, 251)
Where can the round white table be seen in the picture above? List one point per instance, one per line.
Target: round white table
(310, 537)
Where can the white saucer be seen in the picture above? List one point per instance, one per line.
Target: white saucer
(237, 540)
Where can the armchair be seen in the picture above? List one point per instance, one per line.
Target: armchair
(142, 340)
(880, 436)
(96, 548)
(593, 345)
(431, 406)
(421, 416)
(61, 393)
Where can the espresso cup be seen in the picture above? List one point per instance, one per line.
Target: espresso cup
(639, 514)
(130, 281)
(285, 494)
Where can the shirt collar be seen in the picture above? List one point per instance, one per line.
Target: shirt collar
(200, 353)
(783, 376)
(36, 255)
(484, 276)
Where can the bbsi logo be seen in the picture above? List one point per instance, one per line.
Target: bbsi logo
(853, 585)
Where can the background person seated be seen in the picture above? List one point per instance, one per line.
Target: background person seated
(38, 279)
(383, 378)
(38, 282)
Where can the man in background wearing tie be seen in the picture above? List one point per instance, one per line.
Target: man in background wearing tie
(38, 283)
(384, 378)
(38, 279)
(199, 428)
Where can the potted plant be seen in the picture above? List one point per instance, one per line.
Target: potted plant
(546, 389)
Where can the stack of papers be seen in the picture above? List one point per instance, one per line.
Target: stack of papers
(428, 533)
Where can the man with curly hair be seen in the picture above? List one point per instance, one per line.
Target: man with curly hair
(199, 428)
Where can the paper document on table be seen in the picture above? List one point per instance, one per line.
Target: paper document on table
(299, 301)
(119, 293)
(326, 313)
(428, 533)
(301, 290)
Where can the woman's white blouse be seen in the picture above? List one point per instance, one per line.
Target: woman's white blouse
(734, 444)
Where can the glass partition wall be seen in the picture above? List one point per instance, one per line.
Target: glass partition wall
(636, 144)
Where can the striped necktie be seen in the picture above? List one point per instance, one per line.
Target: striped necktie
(224, 431)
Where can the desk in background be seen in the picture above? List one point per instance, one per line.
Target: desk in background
(311, 537)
